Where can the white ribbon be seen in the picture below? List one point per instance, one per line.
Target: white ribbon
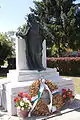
(40, 91)
(55, 91)
(43, 86)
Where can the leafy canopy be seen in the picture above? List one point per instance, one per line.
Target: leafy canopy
(6, 49)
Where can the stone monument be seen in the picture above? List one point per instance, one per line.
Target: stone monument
(30, 65)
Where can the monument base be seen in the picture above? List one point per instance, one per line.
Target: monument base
(31, 75)
(21, 80)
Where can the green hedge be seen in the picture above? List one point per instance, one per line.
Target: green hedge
(66, 65)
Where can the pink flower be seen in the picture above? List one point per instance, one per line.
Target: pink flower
(64, 90)
(70, 95)
(64, 96)
(69, 90)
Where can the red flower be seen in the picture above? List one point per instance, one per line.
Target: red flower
(64, 96)
(70, 95)
(69, 90)
(16, 99)
(19, 98)
(64, 90)
(20, 94)
(27, 96)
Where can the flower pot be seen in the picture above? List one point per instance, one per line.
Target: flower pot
(22, 113)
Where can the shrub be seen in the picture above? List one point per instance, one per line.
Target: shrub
(65, 65)
(6, 49)
(11, 63)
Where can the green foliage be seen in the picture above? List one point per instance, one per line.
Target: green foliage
(58, 17)
(5, 48)
(12, 39)
(21, 28)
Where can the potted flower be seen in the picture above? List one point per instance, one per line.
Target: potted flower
(23, 104)
(67, 95)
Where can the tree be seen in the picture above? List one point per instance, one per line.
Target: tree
(12, 38)
(22, 28)
(73, 31)
(6, 49)
(58, 17)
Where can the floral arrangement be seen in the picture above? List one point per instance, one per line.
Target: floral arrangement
(42, 106)
(67, 95)
(22, 102)
(36, 104)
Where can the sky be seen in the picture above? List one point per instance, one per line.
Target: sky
(12, 13)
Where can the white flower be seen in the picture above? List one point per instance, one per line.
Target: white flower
(18, 107)
(25, 99)
(22, 108)
(28, 107)
(21, 103)
(30, 104)
(43, 80)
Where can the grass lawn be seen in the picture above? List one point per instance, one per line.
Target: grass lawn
(76, 81)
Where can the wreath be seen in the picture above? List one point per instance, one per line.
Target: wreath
(40, 106)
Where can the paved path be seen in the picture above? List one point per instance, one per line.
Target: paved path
(73, 115)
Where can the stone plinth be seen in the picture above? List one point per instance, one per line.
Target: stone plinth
(21, 62)
(24, 80)
(9, 92)
(30, 75)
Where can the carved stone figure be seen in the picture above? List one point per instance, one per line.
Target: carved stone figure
(33, 38)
